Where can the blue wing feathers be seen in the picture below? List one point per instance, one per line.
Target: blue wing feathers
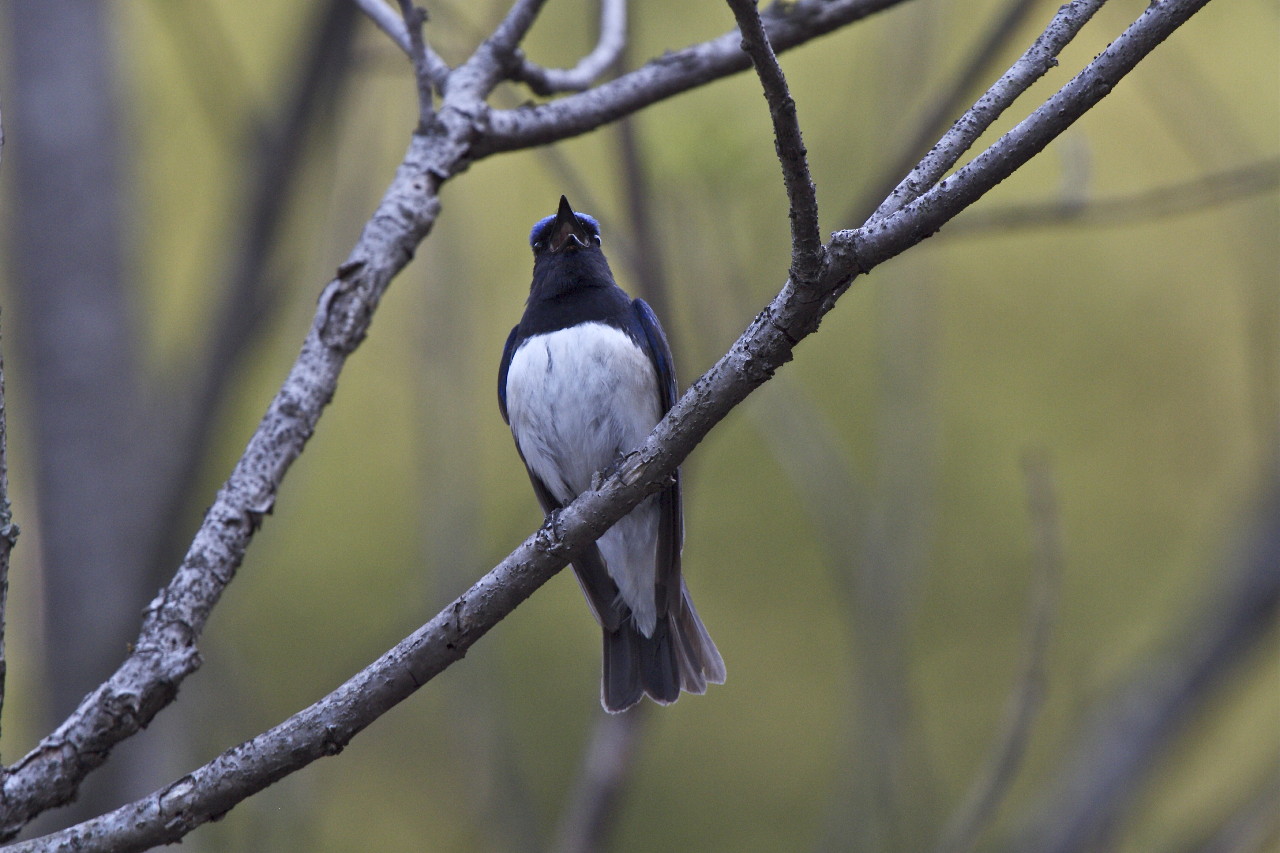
(507, 351)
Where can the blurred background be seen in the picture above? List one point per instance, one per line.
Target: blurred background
(983, 561)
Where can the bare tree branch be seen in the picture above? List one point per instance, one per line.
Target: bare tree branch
(670, 74)
(414, 19)
(995, 778)
(394, 26)
(1030, 136)
(951, 100)
(1158, 202)
(1030, 67)
(247, 298)
(166, 652)
(612, 41)
(1112, 755)
(607, 769)
(806, 239)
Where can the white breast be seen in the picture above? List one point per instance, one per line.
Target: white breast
(577, 399)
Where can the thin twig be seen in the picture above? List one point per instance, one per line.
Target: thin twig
(609, 46)
(1111, 757)
(936, 117)
(393, 25)
(1158, 202)
(992, 783)
(1030, 67)
(414, 19)
(806, 239)
(1030, 136)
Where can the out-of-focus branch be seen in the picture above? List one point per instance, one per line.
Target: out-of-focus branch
(806, 239)
(1117, 748)
(992, 783)
(609, 46)
(247, 300)
(1158, 202)
(607, 769)
(930, 210)
(1030, 67)
(946, 105)
(1252, 828)
(165, 651)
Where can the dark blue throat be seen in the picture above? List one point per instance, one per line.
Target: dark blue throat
(572, 288)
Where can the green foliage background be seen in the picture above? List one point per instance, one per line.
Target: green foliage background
(1141, 355)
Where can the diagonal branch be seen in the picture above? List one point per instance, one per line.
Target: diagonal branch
(931, 210)
(945, 106)
(806, 239)
(612, 41)
(1030, 67)
(167, 653)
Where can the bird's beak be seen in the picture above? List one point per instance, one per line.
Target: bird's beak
(569, 233)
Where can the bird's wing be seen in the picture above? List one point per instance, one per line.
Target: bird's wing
(588, 567)
(670, 512)
(507, 351)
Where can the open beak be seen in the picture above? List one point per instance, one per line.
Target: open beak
(569, 233)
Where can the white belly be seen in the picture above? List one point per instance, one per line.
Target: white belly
(577, 399)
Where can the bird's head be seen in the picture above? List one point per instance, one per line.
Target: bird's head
(565, 233)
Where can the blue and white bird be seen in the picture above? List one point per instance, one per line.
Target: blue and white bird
(585, 377)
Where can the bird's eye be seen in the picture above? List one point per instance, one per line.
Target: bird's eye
(538, 246)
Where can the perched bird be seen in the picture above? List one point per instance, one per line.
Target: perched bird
(585, 377)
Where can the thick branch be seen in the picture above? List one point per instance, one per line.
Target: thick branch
(806, 239)
(150, 676)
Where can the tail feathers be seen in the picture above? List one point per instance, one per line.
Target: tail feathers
(679, 656)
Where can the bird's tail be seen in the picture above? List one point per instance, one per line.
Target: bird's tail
(678, 656)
